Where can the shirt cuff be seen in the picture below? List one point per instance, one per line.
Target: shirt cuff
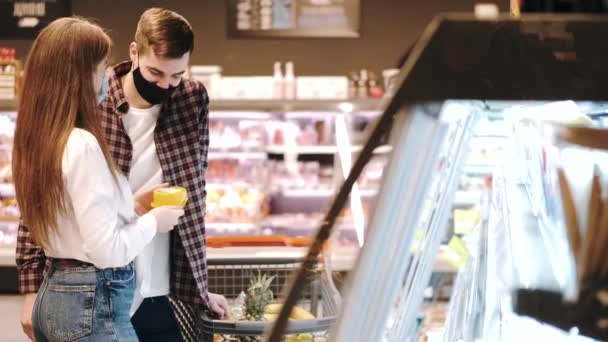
(148, 225)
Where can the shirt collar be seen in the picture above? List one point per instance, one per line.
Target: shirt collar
(116, 91)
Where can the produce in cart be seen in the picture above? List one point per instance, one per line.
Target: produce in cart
(258, 306)
(259, 296)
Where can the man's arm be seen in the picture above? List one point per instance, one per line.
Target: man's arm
(217, 302)
(31, 262)
(203, 127)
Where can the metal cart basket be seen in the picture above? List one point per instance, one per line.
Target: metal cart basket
(230, 276)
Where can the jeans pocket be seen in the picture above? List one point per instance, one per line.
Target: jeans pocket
(120, 285)
(120, 276)
(68, 311)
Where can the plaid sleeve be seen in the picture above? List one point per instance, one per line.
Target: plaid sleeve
(204, 135)
(204, 151)
(31, 262)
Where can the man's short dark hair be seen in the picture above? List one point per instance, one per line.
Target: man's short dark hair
(167, 33)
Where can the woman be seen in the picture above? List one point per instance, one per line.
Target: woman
(76, 203)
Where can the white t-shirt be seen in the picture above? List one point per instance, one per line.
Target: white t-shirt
(100, 225)
(152, 266)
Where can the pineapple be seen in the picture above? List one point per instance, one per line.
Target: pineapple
(259, 295)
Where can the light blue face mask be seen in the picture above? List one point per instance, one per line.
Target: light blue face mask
(104, 90)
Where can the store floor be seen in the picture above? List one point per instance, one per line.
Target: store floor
(10, 306)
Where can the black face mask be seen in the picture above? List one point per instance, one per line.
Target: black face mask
(149, 91)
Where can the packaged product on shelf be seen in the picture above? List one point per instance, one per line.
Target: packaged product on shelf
(247, 87)
(210, 76)
(307, 136)
(371, 176)
(223, 137)
(362, 90)
(374, 90)
(8, 74)
(222, 170)
(307, 131)
(435, 316)
(237, 136)
(278, 90)
(8, 234)
(471, 184)
(484, 154)
(7, 189)
(252, 135)
(227, 170)
(322, 87)
(289, 82)
(310, 176)
(7, 54)
(238, 203)
(297, 224)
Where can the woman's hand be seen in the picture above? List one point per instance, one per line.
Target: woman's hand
(143, 199)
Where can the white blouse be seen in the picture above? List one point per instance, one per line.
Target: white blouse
(100, 225)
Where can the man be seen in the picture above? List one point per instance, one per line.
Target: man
(156, 125)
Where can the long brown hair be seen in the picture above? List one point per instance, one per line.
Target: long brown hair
(58, 95)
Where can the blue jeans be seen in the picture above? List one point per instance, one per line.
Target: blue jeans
(84, 303)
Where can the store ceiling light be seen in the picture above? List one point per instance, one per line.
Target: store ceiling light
(28, 22)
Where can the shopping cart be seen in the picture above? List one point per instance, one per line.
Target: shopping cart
(229, 276)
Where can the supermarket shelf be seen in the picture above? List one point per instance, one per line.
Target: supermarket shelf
(343, 258)
(7, 190)
(279, 149)
(323, 149)
(302, 228)
(237, 115)
(379, 150)
(315, 193)
(488, 137)
(231, 227)
(308, 193)
(283, 106)
(8, 105)
(479, 169)
(466, 198)
(7, 256)
(369, 192)
(236, 155)
(441, 262)
(226, 186)
(246, 107)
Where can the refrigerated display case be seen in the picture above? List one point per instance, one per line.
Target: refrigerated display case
(462, 72)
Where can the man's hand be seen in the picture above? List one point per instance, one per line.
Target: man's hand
(219, 305)
(26, 315)
(143, 199)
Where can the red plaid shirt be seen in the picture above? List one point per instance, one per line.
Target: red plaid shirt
(182, 142)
